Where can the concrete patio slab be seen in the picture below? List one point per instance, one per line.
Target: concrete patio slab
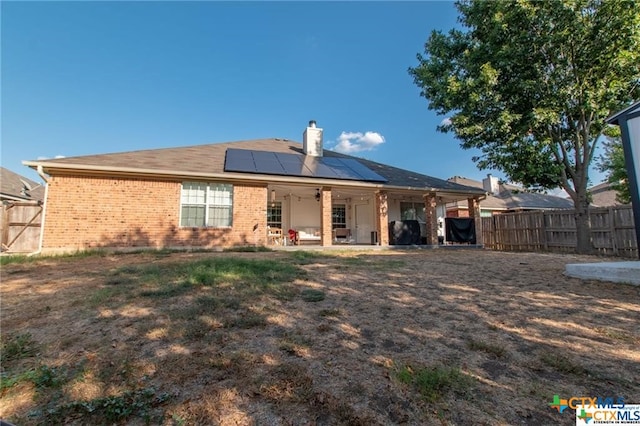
(619, 272)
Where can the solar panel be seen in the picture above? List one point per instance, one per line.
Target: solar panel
(240, 161)
(283, 164)
(319, 169)
(361, 169)
(341, 168)
(293, 168)
(264, 156)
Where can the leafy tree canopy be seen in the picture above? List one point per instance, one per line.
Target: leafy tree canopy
(530, 83)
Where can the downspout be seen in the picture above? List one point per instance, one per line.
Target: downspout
(41, 173)
(45, 178)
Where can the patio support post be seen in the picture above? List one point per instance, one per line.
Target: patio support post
(382, 217)
(326, 230)
(431, 218)
(474, 212)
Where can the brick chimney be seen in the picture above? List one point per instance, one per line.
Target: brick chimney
(312, 140)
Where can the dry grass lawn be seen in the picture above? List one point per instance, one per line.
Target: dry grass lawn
(302, 338)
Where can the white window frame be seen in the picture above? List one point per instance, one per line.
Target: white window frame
(275, 205)
(216, 196)
(334, 224)
(414, 213)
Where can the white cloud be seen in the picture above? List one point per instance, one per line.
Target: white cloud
(559, 192)
(446, 122)
(42, 157)
(351, 142)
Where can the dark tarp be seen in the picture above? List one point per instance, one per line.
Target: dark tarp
(404, 232)
(460, 230)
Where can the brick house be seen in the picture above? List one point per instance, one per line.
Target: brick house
(236, 194)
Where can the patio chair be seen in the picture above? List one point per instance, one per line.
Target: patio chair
(293, 237)
(342, 235)
(275, 236)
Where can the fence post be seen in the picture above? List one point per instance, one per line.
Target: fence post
(497, 239)
(543, 231)
(612, 230)
(5, 224)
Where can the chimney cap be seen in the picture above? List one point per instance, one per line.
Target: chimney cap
(312, 123)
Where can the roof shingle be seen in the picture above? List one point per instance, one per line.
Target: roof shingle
(12, 186)
(209, 159)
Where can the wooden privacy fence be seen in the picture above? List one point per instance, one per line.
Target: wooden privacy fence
(20, 226)
(612, 231)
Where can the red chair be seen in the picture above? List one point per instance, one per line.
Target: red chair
(293, 237)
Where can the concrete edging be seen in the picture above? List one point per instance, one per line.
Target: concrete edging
(618, 272)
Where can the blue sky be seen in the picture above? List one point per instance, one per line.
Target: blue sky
(83, 78)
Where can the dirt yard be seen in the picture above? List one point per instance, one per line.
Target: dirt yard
(457, 337)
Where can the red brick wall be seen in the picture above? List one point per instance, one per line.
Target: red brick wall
(458, 213)
(326, 223)
(382, 217)
(431, 219)
(85, 212)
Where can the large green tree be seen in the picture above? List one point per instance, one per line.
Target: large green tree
(530, 84)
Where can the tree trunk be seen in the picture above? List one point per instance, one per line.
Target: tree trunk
(583, 225)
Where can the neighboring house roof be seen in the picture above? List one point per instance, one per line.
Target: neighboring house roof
(207, 161)
(602, 195)
(519, 200)
(512, 197)
(19, 188)
(489, 203)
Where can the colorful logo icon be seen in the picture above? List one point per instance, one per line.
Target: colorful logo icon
(559, 404)
(587, 417)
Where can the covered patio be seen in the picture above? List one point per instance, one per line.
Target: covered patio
(303, 215)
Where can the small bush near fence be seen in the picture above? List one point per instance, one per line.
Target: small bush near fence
(612, 231)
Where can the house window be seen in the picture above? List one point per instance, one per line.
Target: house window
(274, 214)
(206, 204)
(414, 211)
(339, 216)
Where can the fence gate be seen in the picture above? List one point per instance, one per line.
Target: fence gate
(21, 226)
